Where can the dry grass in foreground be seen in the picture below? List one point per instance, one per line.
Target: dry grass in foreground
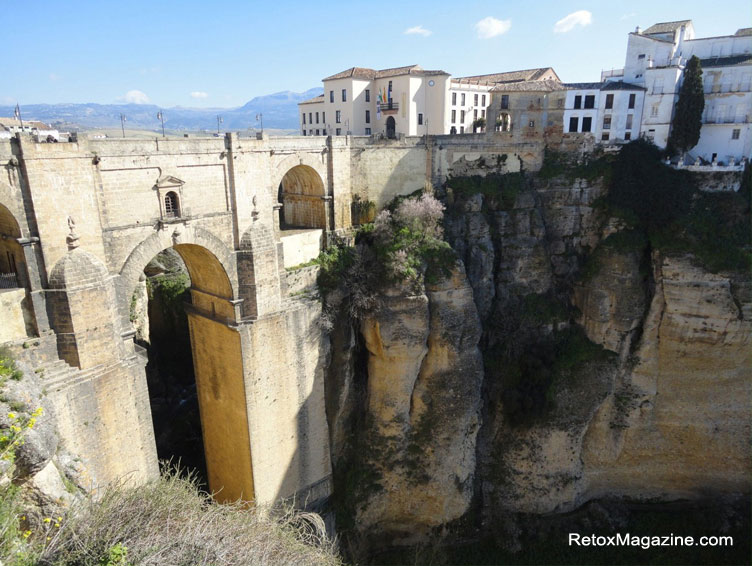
(169, 522)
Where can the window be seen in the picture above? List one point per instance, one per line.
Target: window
(317, 117)
(304, 118)
(338, 117)
(171, 205)
(640, 56)
(462, 116)
(310, 117)
(339, 131)
(735, 133)
(454, 99)
(368, 95)
(368, 116)
(454, 116)
(484, 101)
(318, 133)
(323, 117)
(632, 100)
(462, 129)
(462, 99)
(331, 96)
(344, 95)
(475, 100)
(609, 101)
(607, 122)
(560, 103)
(531, 124)
(578, 102)
(368, 131)
(586, 124)
(304, 132)
(504, 101)
(310, 132)
(628, 136)
(475, 114)
(654, 111)
(629, 121)
(420, 119)
(604, 137)
(590, 101)
(483, 113)
(573, 122)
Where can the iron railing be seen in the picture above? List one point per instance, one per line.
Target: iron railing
(9, 281)
(390, 105)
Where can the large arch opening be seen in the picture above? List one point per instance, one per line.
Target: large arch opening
(302, 193)
(183, 313)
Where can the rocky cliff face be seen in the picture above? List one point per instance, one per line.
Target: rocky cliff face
(608, 369)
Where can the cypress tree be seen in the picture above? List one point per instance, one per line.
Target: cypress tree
(685, 128)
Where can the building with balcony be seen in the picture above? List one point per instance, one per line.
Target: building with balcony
(406, 101)
(656, 59)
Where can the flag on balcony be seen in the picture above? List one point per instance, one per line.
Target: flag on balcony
(378, 106)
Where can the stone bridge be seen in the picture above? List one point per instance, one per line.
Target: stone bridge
(81, 220)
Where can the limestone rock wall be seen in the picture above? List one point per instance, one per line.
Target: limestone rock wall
(421, 403)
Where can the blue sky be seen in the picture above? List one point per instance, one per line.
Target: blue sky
(201, 53)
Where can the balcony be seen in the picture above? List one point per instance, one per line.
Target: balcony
(389, 107)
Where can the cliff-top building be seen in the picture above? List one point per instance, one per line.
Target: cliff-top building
(656, 58)
(405, 101)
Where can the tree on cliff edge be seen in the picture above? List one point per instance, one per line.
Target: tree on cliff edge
(685, 128)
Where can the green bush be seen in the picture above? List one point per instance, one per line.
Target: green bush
(665, 208)
(501, 189)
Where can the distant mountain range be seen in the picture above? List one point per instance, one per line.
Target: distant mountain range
(280, 112)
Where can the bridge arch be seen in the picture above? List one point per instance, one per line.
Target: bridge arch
(217, 352)
(13, 271)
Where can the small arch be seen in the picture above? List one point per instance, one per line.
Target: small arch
(12, 264)
(302, 193)
(171, 205)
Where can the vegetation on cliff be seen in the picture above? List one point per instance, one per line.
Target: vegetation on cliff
(403, 246)
(665, 205)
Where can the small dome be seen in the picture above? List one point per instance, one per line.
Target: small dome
(77, 268)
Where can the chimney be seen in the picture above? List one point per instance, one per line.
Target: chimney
(638, 30)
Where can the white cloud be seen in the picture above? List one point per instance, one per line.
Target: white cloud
(199, 94)
(7, 100)
(135, 97)
(568, 23)
(491, 27)
(627, 16)
(418, 30)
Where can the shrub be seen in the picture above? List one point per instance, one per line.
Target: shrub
(8, 369)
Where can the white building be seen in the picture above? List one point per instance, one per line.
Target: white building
(405, 101)
(656, 59)
(391, 102)
(44, 132)
(611, 110)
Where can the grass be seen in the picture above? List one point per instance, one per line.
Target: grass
(168, 521)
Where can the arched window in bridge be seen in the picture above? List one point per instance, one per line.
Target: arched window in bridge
(171, 205)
